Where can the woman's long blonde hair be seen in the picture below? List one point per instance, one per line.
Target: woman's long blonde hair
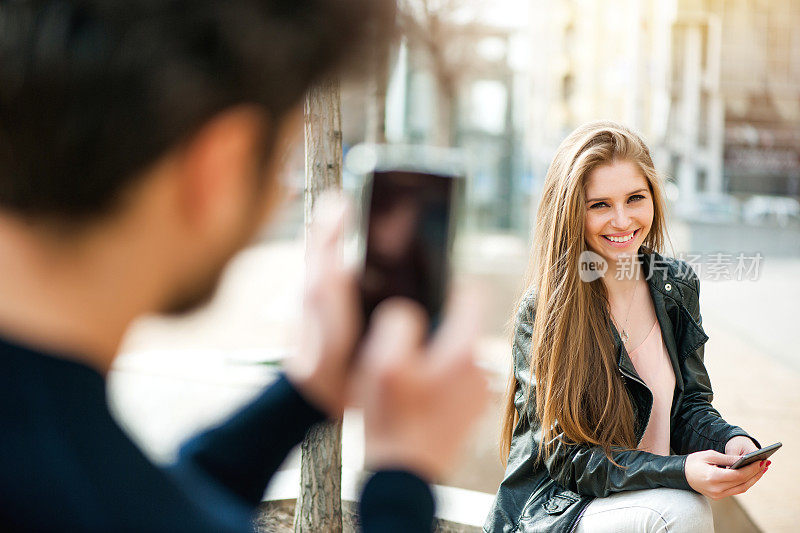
(578, 388)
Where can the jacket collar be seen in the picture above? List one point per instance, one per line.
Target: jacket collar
(668, 293)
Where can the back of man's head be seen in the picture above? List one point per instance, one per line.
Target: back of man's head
(92, 92)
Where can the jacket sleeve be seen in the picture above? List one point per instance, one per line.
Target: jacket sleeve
(582, 468)
(243, 453)
(396, 501)
(697, 425)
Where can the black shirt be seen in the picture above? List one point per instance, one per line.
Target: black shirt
(66, 465)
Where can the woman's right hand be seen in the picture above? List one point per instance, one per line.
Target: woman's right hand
(704, 474)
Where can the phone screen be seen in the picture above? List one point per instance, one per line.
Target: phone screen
(407, 239)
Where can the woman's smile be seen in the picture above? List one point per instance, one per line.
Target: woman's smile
(621, 240)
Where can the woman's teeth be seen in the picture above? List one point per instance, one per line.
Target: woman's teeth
(624, 238)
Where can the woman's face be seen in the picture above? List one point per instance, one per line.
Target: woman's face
(619, 210)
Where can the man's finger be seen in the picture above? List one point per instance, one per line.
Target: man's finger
(324, 247)
(396, 331)
(461, 328)
(328, 215)
(327, 226)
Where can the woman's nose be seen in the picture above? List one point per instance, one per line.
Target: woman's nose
(621, 218)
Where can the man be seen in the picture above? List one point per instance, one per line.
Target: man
(140, 144)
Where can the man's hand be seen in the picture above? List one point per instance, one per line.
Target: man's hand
(331, 315)
(420, 399)
(704, 474)
(740, 445)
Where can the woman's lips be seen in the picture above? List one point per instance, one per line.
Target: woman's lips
(624, 244)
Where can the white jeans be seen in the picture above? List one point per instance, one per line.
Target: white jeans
(648, 511)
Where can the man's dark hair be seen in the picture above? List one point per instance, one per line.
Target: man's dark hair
(92, 92)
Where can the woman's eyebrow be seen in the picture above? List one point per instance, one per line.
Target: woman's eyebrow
(630, 193)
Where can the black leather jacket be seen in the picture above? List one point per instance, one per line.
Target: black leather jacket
(551, 495)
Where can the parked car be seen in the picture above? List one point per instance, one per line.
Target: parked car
(709, 207)
(764, 209)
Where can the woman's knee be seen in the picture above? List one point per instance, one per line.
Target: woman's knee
(650, 511)
(685, 511)
(634, 518)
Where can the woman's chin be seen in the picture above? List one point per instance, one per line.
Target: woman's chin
(618, 256)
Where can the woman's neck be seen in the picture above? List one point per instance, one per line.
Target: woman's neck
(620, 278)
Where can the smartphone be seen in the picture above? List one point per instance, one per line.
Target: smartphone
(758, 455)
(408, 230)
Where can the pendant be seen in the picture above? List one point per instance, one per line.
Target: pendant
(624, 336)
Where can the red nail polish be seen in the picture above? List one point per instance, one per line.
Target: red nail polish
(769, 463)
(761, 464)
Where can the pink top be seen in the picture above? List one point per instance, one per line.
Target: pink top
(652, 363)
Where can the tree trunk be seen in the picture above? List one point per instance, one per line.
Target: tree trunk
(378, 85)
(444, 127)
(319, 505)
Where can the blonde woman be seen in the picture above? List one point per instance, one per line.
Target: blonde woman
(608, 424)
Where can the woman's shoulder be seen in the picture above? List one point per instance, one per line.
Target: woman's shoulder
(523, 331)
(674, 270)
(681, 275)
(526, 308)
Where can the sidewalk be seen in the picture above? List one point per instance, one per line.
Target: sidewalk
(753, 357)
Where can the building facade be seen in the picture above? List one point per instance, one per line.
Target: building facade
(713, 85)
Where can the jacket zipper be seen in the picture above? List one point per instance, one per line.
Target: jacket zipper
(542, 488)
(551, 481)
(580, 515)
(631, 376)
(643, 384)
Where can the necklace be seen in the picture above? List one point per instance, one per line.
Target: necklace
(625, 335)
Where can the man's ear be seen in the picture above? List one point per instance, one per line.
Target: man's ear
(218, 168)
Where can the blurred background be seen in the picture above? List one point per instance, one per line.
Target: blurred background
(714, 88)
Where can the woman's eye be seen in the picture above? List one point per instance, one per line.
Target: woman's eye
(598, 204)
(636, 198)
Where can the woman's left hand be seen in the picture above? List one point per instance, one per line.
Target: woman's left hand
(740, 445)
